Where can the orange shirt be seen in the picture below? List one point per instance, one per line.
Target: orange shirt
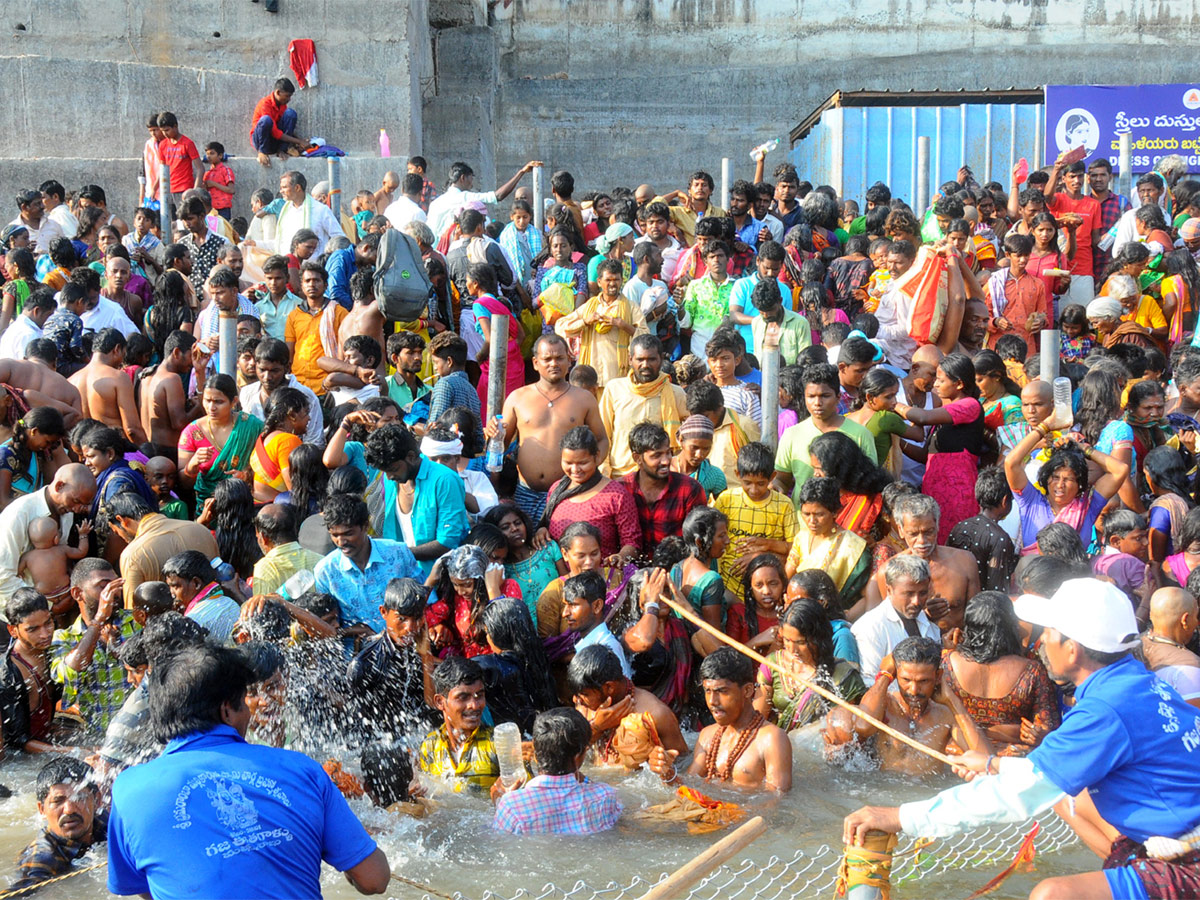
(1023, 297)
(303, 331)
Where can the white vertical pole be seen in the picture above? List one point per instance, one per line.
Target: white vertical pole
(726, 180)
(537, 199)
(922, 175)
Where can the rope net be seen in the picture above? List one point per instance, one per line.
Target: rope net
(814, 874)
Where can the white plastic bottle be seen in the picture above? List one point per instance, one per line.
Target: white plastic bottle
(507, 738)
(763, 149)
(1062, 400)
(494, 460)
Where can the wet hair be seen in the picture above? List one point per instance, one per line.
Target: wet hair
(487, 537)
(1120, 522)
(1011, 346)
(511, 628)
(809, 618)
(921, 651)
(1166, 466)
(64, 770)
(727, 664)
(405, 597)
(824, 491)
(24, 603)
(991, 488)
(700, 530)
(270, 622)
(1041, 575)
(455, 671)
(844, 460)
(990, 628)
(581, 438)
(1068, 458)
(264, 659)
(190, 565)
(592, 668)
(817, 585)
(988, 362)
(762, 561)
(560, 735)
(576, 530)
(587, 586)
(154, 599)
(1099, 404)
(1060, 540)
(186, 697)
(757, 459)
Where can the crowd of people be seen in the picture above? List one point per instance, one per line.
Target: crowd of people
(347, 543)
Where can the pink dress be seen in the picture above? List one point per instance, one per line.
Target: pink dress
(953, 464)
(612, 511)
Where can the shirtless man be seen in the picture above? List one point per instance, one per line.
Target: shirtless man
(386, 194)
(920, 706)
(954, 573)
(165, 407)
(106, 391)
(615, 708)
(538, 415)
(974, 327)
(365, 317)
(43, 387)
(741, 749)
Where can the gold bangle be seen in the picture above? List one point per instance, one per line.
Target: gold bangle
(1041, 429)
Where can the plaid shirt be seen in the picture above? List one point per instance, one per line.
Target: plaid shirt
(665, 515)
(428, 193)
(558, 804)
(99, 690)
(773, 518)
(455, 390)
(477, 767)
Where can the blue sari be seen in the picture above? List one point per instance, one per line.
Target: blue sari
(117, 478)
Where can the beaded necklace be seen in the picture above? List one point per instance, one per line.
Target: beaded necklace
(744, 740)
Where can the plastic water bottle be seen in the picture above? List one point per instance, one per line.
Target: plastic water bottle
(223, 569)
(1062, 400)
(507, 738)
(1110, 238)
(385, 145)
(494, 461)
(763, 149)
(299, 584)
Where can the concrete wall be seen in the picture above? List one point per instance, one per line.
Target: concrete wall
(83, 75)
(625, 91)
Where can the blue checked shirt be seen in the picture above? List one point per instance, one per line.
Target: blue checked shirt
(359, 592)
(455, 390)
(558, 804)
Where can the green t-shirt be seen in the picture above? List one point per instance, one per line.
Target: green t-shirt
(792, 455)
(883, 425)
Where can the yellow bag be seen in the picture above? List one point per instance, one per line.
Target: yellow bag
(531, 323)
(556, 301)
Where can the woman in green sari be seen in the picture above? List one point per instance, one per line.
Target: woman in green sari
(706, 533)
(807, 639)
(218, 445)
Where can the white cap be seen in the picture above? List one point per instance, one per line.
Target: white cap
(1093, 613)
(653, 296)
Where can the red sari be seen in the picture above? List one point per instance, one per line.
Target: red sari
(486, 306)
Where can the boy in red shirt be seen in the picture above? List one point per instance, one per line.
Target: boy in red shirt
(218, 179)
(181, 156)
(1088, 234)
(273, 125)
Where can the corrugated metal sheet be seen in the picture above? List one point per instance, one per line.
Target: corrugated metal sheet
(851, 146)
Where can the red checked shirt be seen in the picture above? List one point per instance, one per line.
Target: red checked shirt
(665, 515)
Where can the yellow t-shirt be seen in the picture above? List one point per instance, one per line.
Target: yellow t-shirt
(773, 518)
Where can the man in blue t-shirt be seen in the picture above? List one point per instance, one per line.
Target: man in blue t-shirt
(216, 817)
(1126, 752)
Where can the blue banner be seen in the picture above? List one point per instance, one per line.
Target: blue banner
(1161, 119)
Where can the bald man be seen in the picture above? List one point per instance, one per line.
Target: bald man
(68, 496)
(1172, 624)
(386, 194)
(643, 195)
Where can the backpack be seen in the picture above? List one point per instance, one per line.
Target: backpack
(402, 286)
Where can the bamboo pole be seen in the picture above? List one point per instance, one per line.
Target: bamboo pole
(689, 873)
(688, 614)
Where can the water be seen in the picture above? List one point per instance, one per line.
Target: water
(454, 849)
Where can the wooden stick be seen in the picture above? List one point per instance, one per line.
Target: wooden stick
(691, 616)
(689, 873)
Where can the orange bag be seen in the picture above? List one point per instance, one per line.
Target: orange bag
(923, 283)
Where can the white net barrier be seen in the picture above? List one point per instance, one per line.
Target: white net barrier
(814, 874)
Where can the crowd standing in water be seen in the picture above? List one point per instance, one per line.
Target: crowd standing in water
(203, 573)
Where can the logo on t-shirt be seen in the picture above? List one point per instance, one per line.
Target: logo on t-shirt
(234, 809)
(236, 813)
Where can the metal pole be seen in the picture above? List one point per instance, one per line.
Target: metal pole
(922, 175)
(1125, 177)
(726, 180)
(497, 366)
(1049, 355)
(335, 187)
(227, 342)
(165, 220)
(769, 364)
(538, 208)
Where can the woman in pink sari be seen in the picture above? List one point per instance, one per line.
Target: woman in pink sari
(1178, 566)
(481, 284)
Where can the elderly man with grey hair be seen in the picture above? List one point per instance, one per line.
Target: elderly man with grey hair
(953, 574)
(900, 615)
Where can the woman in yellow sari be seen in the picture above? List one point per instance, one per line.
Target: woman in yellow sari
(823, 544)
(604, 326)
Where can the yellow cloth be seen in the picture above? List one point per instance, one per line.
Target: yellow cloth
(303, 332)
(284, 561)
(773, 518)
(622, 407)
(835, 554)
(1148, 314)
(278, 447)
(602, 347)
(684, 219)
(734, 433)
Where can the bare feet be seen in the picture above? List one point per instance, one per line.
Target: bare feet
(264, 160)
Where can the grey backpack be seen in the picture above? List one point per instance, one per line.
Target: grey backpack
(402, 285)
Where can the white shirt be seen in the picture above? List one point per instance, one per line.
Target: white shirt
(66, 220)
(445, 206)
(108, 314)
(670, 256)
(776, 227)
(40, 237)
(880, 630)
(309, 214)
(895, 320)
(250, 398)
(14, 536)
(480, 487)
(403, 211)
(605, 638)
(17, 336)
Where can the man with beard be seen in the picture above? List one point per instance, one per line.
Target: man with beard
(67, 798)
(645, 395)
(391, 677)
(663, 498)
(1124, 752)
(405, 350)
(740, 749)
(538, 415)
(974, 327)
(933, 715)
(954, 574)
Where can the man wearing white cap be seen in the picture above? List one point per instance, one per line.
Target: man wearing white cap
(1126, 752)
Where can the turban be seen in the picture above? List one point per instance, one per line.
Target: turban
(1190, 230)
(696, 427)
(1104, 308)
(435, 448)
